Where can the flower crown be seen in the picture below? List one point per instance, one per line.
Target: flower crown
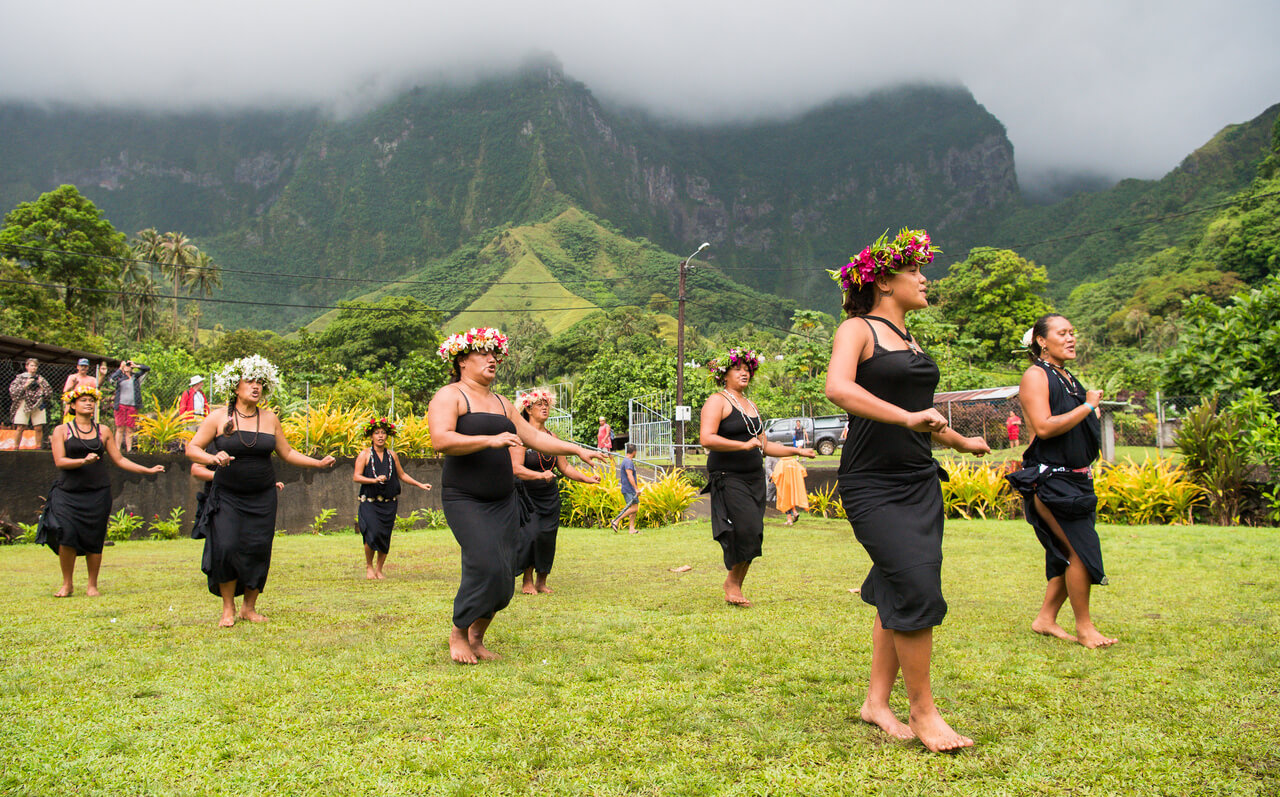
(254, 368)
(482, 339)
(81, 390)
(884, 257)
(374, 424)
(735, 357)
(527, 399)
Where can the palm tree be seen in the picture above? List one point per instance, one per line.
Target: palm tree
(144, 251)
(143, 300)
(177, 255)
(203, 277)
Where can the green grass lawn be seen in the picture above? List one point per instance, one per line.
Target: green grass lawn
(632, 679)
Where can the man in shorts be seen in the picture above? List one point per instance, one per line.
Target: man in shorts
(128, 381)
(28, 390)
(630, 490)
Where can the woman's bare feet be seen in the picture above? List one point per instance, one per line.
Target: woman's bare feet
(1051, 628)
(542, 588)
(377, 574)
(370, 573)
(527, 587)
(935, 734)
(884, 718)
(1091, 638)
(459, 648)
(477, 647)
(227, 619)
(252, 616)
(92, 591)
(64, 591)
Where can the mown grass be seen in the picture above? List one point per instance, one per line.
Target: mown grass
(632, 679)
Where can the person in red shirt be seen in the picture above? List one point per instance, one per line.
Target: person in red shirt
(1012, 427)
(193, 399)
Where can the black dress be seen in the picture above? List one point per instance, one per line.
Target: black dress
(238, 516)
(542, 501)
(80, 500)
(480, 505)
(1058, 470)
(376, 516)
(890, 490)
(735, 480)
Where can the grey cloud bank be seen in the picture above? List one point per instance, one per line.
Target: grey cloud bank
(1120, 88)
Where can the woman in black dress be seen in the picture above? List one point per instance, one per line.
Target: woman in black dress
(732, 431)
(888, 478)
(75, 521)
(379, 474)
(1056, 480)
(238, 519)
(540, 491)
(473, 427)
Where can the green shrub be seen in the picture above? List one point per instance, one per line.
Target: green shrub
(979, 490)
(826, 502)
(321, 520)
(168, 529)
(662, 501)
(28, 533)
(434, 519)
(169, 430)
(408, 522)
(1152, 491)
(122, 525)
(1216, 458)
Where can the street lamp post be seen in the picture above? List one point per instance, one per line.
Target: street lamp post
(684, 269)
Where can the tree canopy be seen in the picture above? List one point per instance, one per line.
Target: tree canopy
(366, 335)
(993, 296)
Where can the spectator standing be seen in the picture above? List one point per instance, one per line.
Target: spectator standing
(28, 390)
(81, 378)
(193, 399)
(1013, 428)
(604, 436)
(128, 380)
(630, 490)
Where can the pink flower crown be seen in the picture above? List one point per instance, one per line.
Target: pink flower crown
(81, 390)
(527, 399)
(374, 424)
(719, 367)
(474, 339)
(885, 257)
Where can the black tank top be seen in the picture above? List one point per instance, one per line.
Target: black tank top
(540, 463)
(375, 467)
(92, 476)
(734, 427)
(252, 470)
(905, 379)
(483, 475)
(1075, 448)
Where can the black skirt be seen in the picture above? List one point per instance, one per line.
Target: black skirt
(542, 505)
(76, 519)
(376, 520)
(489, 534)
(737, 514)
(1070, 498)
(238, 530)
(898, 520)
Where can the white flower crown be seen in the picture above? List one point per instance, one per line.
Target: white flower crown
(254, 368)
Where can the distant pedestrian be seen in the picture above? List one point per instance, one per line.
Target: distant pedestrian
(193, 399)
(1013, 428)
(789, 480)
(29, 391)
(128, 379)
(630, 490)
(604, 436)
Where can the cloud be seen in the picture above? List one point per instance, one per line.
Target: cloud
(1121, 87)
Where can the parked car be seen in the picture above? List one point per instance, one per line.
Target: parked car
(821, 433)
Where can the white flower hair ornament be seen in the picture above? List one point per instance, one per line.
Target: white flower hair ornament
(1027, 337)
(254, 368)
(475, 339)
(526, 400)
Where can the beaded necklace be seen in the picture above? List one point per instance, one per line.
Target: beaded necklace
(746, 420)
(96, 447)
(257, 425)
(1073, 387)
(545, 463)
(373, 463)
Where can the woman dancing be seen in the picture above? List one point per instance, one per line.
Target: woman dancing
(1056, 480)
(238, 519)
(472, 427)
(75, 521)
(378, 472)
(732, 431)
(540, 490)
(888, 477)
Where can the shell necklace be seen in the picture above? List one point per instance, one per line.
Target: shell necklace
(746, 419)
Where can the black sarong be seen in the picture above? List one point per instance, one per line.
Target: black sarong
(376, 520)
(76, 519)
(238, 530)
(1069, 497)
(737, 514)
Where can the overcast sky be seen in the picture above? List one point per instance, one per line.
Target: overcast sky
(1118, 87)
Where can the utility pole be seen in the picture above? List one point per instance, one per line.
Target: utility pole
(684, 269)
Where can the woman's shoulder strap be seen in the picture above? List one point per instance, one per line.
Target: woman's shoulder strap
(464, 397)
(875, 339)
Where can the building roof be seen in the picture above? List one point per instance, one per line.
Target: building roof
(21, 348)
(981, 394)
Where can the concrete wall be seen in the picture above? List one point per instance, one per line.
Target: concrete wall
(25, 476)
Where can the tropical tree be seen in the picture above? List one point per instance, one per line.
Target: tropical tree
(177, 255)
(1228, 349)
(365, 335)
(993, 296)
(202, 278)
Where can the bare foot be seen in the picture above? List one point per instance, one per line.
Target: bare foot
(370, 574)
(477, 647)
(734, 597)
(227, 620)
(1050, 628)
(1091, 638)
(528, 589)
(378, 575)
(252, 616)
(63, 592)
(459, 649)
(92, 592)
(935, 734)
(544, 589)
(884, 718)
(633, 530)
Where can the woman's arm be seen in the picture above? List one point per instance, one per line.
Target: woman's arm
(124, 463)
(852, 341)
(59, 445)
(442, 422)
(358, 477)
(201, 472)
(970, 445)
(570, 472)
(527, 474)
(287, 452)
(772, 449)
(1033, 394)
(715, 410)
(548, 443)
(406, 478)
(205, 432)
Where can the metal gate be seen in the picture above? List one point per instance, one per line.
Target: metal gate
(649, 426)
(560, 421)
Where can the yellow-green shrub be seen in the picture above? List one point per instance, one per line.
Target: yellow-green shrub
(1152, 491)
(326, 429)
(168, 430)
(979, 490)
(662, 501)
(826, 502)
(413, 438)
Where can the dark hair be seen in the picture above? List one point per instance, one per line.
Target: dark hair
(859, 301)
(524, 413)
(1040, 329)
(231, 415)
(631, 448)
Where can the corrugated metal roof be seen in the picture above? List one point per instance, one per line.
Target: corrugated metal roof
(21, 348)
(982, 394)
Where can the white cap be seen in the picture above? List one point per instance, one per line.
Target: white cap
(197, 379)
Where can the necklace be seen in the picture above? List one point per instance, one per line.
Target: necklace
(759, 423)
(545, 463)
(1073, 387)
(257, 425)
(79, 435)
(373, 464)
(912, 346)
